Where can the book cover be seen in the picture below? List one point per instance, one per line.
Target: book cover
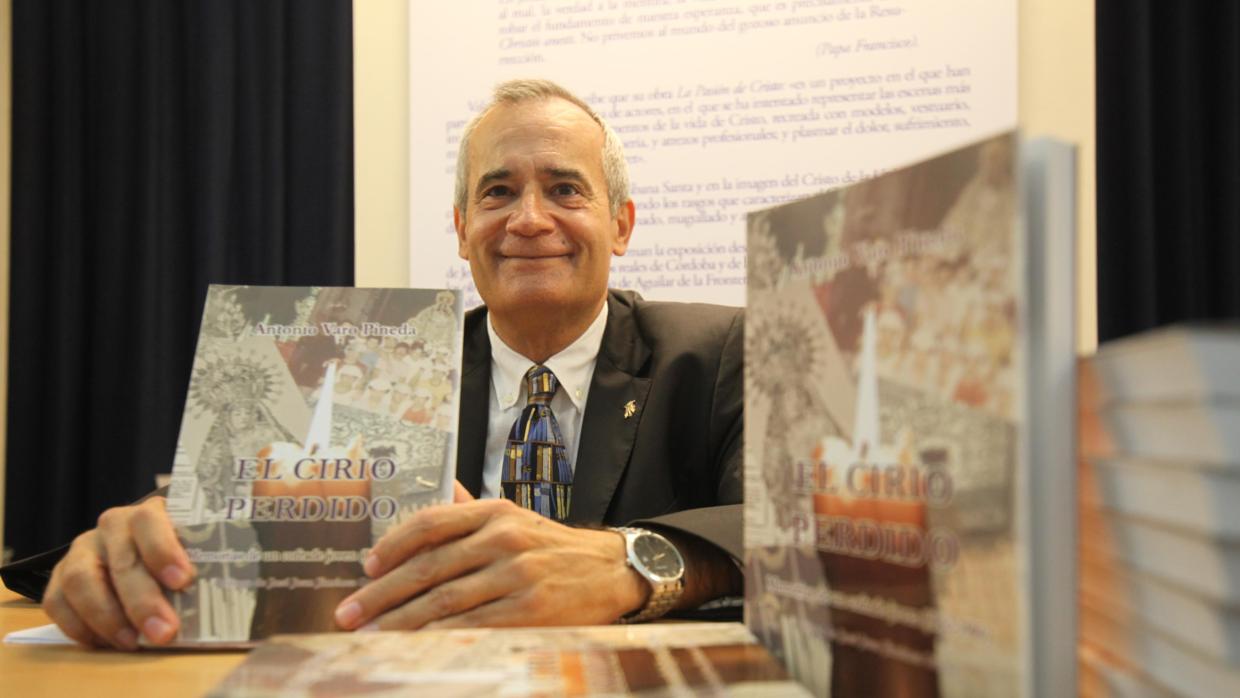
(887, 428)
(717, 659)
(315, 419)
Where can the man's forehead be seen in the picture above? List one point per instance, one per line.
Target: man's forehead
(530, 124)
(539, 108)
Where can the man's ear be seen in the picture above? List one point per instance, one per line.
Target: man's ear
(458, 221)
(624, 228)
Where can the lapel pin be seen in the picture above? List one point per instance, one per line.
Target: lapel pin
(630, 409)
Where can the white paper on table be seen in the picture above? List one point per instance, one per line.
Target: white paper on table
(41, 635)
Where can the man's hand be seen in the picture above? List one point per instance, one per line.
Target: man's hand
(492, 563)
(107, 588)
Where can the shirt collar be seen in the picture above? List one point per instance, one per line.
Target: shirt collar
(573, 366)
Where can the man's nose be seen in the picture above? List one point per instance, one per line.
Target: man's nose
(531, 216)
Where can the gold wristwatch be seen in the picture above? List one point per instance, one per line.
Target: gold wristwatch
(655, 558)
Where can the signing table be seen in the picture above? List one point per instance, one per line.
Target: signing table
(58, 670)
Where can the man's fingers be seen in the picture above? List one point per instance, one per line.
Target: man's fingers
(66, 619)
(460, 495)
(477, 534)
(429, 528)
(139, 594)
(106, 589)
(138, 544)
(103, 615)
(157, 543)
(63, 615)
(409, 579)
(88, 593)
(507, 612)
(449, 600)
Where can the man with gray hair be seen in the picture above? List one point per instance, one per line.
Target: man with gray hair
(580, 407)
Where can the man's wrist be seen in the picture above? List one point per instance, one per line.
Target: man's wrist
(638, 589)
(710, 573)
(627, 591)
(661, 567)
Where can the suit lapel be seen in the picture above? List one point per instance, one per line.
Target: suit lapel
(471, 441)
(608, 430)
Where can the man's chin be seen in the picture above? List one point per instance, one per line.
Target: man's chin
(541, 294)
(522, 266)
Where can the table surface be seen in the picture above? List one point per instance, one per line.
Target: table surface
(44, 670)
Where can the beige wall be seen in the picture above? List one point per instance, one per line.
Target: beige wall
(1056, 99)
(6, 85)
(381, 141)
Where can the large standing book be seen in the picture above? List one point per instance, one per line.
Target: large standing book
(316, 419)
(909, 428)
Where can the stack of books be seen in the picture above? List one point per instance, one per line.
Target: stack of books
(1160, 515)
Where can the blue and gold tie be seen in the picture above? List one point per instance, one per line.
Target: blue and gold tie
(536, 472)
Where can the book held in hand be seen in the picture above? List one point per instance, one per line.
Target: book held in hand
(316, 419)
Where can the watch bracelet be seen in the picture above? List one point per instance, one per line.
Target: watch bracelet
(654, 607)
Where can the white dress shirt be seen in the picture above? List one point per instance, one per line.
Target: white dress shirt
(573, 368)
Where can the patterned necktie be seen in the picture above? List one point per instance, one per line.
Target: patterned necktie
(536, 472)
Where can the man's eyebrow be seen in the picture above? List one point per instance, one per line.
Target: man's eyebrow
(502, 173)
(493, 175)
(564, 173)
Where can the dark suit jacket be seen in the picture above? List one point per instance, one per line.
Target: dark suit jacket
(676, 462)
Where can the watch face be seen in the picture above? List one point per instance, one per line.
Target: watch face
(658, 556)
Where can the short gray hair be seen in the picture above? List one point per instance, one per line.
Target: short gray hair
(615, 170)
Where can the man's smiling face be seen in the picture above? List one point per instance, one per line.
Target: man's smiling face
(537, 230)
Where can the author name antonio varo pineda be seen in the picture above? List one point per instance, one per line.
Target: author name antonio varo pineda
(335, 329)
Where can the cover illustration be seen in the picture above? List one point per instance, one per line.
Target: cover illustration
(708, 659)
(316, 418)
(883, 388)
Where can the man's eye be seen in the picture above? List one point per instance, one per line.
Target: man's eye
(498, 190)
(564, 190)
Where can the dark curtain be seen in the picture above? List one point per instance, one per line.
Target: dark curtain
(1168, 163)
(158, 146)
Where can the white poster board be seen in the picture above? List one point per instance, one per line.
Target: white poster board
(724, 107)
